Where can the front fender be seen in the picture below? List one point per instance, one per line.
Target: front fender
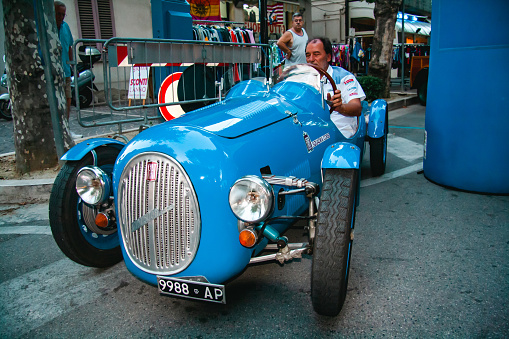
(342, 155)
(5, 97)
(377, 119)
(80, 150)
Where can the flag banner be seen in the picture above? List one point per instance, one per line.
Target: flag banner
(275, 14)
(205, 10)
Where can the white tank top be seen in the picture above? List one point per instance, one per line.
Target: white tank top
(298, 49)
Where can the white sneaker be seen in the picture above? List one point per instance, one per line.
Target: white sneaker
(76, 136)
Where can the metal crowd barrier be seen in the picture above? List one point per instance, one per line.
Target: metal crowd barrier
(144, 80)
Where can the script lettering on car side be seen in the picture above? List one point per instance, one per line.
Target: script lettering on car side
(310, 145)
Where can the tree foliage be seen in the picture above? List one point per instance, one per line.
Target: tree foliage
(33, 131)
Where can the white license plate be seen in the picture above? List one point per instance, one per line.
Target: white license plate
(191, 289)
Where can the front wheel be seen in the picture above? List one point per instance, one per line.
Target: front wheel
(72, 221)
(333, 241)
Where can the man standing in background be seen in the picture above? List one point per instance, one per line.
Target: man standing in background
(293, 42)
(66, 40)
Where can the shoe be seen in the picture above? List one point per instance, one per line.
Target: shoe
(76, 136)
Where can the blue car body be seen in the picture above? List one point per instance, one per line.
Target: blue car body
(283, 131)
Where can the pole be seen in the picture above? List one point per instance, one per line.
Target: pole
(347, 20)
(264, 36)
(50, 89)
(403, 48)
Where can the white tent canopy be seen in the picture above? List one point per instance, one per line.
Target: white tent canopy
(414, 27)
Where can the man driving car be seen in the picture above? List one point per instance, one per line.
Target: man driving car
(346, 100)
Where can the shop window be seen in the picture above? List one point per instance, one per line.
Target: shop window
(95, 19)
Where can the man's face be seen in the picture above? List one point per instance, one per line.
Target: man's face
(297, 22)
(59, 15)
(315, 54)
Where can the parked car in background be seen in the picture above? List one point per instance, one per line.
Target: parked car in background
(189, 203)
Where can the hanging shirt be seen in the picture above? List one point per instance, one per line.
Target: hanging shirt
(350, 89)
(66, 40)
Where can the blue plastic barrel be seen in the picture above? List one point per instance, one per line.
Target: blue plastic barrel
(467, 112)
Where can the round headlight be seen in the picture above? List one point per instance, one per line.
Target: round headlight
(93, 185)
(251, 199)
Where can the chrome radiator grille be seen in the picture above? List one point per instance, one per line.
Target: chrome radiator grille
(158, 214)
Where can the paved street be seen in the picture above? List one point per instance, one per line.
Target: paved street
(427, 262)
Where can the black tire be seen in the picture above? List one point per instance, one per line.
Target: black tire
(68, 216)
(86, 96)
(333, 242)
(5, 110)
(378, 155)
(378, 150)
(422, 92)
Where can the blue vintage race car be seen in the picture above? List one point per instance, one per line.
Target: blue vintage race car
(189, 203)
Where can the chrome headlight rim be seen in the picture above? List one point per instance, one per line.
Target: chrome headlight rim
(265, 190)
(93, 185)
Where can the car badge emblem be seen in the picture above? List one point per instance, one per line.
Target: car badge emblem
(152, 171)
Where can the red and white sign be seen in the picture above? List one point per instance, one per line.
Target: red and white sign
(275, 28)
(138, 82)
(168, 93)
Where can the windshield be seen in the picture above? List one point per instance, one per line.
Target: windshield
(303, 74)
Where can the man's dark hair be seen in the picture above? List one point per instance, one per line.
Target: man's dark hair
(296, 14)
(327, 46)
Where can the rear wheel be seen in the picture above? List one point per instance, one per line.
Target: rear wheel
(422, 92)
(73, 222)
(378, 155)
(333, 241)
(378, 150)
(5, 109)
(86, 96)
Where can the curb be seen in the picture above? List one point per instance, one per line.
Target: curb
(34, 190)
(25, 191)
(403, 102)
(39, 190)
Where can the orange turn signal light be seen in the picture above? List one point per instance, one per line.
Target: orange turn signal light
(102, 220)
(247, 238)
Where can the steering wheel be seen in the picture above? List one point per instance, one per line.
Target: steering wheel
(327, 75)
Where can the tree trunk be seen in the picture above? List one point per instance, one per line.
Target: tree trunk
(381, 51)
(33, 132)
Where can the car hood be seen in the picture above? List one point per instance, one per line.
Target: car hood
(234, 117)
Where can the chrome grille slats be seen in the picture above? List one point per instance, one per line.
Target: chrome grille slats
(168, 241)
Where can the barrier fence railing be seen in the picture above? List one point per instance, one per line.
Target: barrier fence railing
(143, 79)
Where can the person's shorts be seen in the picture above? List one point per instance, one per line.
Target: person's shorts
(67, 88)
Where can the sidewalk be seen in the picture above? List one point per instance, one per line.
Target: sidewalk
(38, 190)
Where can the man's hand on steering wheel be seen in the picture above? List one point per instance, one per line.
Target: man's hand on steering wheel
(335, 102)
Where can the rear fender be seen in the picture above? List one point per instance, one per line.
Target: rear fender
(80, 150)
(377, 119)
(342, 155)
(5, 97)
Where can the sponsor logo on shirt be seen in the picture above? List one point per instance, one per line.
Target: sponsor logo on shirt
(354, 93)
(348, 81)
(352, 88)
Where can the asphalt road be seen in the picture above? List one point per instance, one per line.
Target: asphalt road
(427, 262)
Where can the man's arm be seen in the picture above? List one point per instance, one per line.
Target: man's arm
(284, 43)
(352, 109)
